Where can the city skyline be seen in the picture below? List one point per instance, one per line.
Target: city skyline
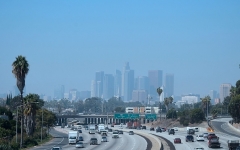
(197, 41)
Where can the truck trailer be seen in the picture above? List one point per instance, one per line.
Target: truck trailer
(73, 137)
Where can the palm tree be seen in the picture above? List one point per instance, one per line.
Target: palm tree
(159, 91)
(205, 103)
(20, 68)
(232, 91)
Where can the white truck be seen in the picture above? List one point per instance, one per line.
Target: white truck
(73, 137)
(92, 129)
(101, 127)
(115, 134)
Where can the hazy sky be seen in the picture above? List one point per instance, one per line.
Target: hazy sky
(66, 42)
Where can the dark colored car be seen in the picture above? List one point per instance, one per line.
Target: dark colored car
(120, 132)
(79, 131)
(177, 140)
(131, 133)
(93, 141)
(144, 127)
(56, 148)
(80, 138)
(112, 125)
(238, 148)
(109, 130)
(159, 130)
(189, 138)
(191, 131)
(171, 131)
(152, 129)
(214, 142)
(211, 135)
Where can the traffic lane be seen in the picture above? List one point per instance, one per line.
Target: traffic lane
(59, 139)
(224, 128)
(203, 144)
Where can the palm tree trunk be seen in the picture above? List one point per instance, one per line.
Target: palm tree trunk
(21, 143)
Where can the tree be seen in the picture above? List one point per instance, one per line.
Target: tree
(234, 108)
(93, 105)
(30, 111)
(20, 68)
(119, 109)
(205, 103)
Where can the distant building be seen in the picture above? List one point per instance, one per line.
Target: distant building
(99, 77)
(118, 83)
(93, 88)
(224, 91)
(213, 95)
(108, 86)
(46, 98)
(217, 101)
(142, 110)
(169, 85)
(142, 83)
(127, 83)
(59, 92)
(190, 99)
(139, 96)
(73, 95)
(66, 95)
(155, 81)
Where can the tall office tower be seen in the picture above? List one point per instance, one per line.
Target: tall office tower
(169, 85)
(59, 92)
(99, 76)
(224, 91)
(108, 86)
(140, 96)
(62, 91)
(213, 95)
(127, 82)
(143, 83)
(118, 83)
(93, 88)
(155, 81)
(74, 94)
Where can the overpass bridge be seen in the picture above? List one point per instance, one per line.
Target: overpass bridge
(96, 119)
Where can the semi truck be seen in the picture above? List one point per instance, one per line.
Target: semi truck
(101, 127)
(233, 144)
(73, 137)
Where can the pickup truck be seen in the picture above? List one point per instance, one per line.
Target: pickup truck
(214, 142)
(233, 144)
(115, 134)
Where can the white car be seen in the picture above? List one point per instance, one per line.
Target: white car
(205, 135)
(200, 137)
(175, 128)
(79, 145)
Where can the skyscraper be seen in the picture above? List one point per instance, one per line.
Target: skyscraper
(59, 92)
(169, 85)
(93, 88)
(118, 83)
(127, 82)
(224, 91)
(108, 86)
(142, 83)
(99, 83)
(213, 95)
(155, 81)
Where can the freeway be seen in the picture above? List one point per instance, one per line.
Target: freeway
(125, 141)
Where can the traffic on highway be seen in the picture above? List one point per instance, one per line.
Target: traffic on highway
(122, 136)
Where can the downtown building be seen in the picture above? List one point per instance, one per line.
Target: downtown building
(169, 85)
(224, 91)
(108, 86)
(118, 83)
(127, 83)
(155, 81)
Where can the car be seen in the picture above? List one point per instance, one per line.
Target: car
(79, 145)
(109, 130)
(106, 128)
(131, 133)
(144, 127)
(159, 130)
(211, 135)
(171, 131)
(104, 139)
(205, 135)
(120, 132)
(190, 131)
(57, 148)
(177, 140)
(138, 128)
(175, 128)
(189, 138)
(80, 138)
(79, 131)
(163, 129)
(238, 148)
(152, 129)
(199, 148)
(93, 141)
(112, 125)
(200, 137)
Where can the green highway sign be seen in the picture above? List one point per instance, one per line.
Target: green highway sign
(151, 116)
(126, 116)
